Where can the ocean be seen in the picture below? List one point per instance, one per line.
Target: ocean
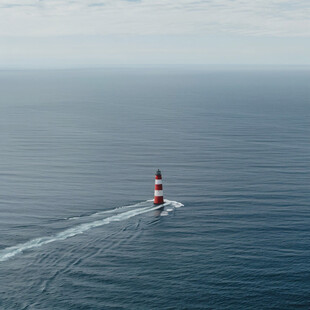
(78, 154)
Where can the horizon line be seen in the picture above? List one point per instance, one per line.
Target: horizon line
(104, 66)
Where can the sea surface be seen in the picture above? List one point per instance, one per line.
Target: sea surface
(78, 154)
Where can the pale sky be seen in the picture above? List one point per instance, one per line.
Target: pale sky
(67, 33)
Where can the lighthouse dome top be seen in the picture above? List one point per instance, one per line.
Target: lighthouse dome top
(158, 172)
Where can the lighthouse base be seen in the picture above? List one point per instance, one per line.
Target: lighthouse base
(158, 200)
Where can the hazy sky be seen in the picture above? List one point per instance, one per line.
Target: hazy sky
(100, 32)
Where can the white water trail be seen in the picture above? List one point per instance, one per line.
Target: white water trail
(10, 252)
(174, 204)
(100, 213)
(120, 208)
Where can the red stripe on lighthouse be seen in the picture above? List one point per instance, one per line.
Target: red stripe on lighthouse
(158, 193)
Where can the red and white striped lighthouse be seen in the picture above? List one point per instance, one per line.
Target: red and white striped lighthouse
(158, 194)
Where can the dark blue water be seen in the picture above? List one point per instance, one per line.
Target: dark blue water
(78, 154)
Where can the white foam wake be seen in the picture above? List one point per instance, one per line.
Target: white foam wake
(10, 252)
(116, 210)
(70, 232)
(174, 204)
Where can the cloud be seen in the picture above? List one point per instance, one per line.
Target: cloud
(279, 18)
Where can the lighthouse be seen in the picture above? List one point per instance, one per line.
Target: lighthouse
(158, 194)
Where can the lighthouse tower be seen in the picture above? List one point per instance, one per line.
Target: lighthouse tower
(158, 194)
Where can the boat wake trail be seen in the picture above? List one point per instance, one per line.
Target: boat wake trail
(116, 210)
(10, 252)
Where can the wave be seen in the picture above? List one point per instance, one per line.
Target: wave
(10, 252)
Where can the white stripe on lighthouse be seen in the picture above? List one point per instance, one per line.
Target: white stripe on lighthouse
(158, 193)
(158, 181)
